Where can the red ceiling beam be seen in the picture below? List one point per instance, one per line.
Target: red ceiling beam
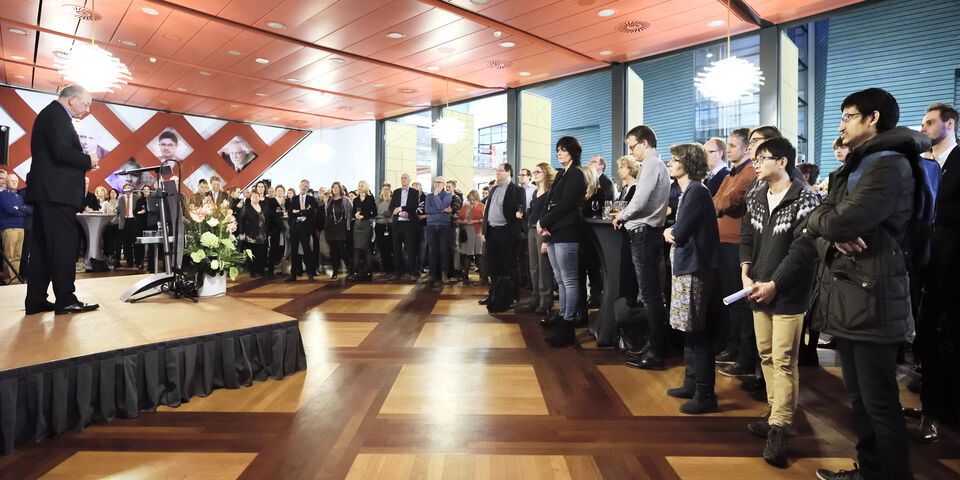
(302, 43)
(491, 23)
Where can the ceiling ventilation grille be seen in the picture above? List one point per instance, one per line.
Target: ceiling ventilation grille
(77, 11)
(499, 64)
(407, 90)
(344, 108)
(634, 26)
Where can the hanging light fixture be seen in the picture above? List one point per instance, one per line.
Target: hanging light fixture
(447, 129)
(94, 68)
(321, 152)
(730, 79)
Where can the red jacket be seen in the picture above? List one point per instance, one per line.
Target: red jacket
(729, 201)
(477, 214)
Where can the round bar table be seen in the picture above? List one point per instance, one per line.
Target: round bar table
(94, 224)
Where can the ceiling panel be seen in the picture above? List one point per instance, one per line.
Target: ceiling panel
(551, 38)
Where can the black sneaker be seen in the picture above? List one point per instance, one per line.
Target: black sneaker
(761, 428)
(854, 474)
(737, 370)
(775, 452)
(726, 357)
(686, 390)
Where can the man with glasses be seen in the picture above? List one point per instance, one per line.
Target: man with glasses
(717, 163)
(862, 295)
(644, 218)
(502, 222)
(438, 209)
(55, 190)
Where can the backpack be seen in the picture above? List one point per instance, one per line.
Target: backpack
(926, 177)
(502, 293)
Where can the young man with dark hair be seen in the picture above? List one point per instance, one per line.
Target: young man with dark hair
(810, 172)
(862, 295)
(780, 267)
(937, 327)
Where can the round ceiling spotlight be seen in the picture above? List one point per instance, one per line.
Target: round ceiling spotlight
(524, 74)
(128, 43)
(715, 23)
(336, 60)
(507, 44)
(17, 31)
(262, 60)
(149, 11)
(606, 12)
(606, 52)
(395, 35)
(181, 89)
(17, 57)
(152, 59)
(378, 85)
(234, 106)
(276, 25)
(260, 94)
(18, 76)
(234, 53)
(205, 74)
(293, 80)
(479, 2)
(433, 68)
(497, 33)
(461, 89)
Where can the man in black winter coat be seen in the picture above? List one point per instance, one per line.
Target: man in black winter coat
(862, 295)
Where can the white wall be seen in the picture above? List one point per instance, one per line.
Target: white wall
(353, 158)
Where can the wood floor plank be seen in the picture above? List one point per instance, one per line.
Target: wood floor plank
(138, 465)
(373, 466)
(470, 335)
(462, 307)
(380, 289)
(346, 305)
(732, 468)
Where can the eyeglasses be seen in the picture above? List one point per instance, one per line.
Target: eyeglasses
(847, 116)
(631, 147)
(713, 151)
(537, 171)
(760, 160)
(757, 140)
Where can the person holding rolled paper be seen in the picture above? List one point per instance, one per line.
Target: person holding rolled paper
(778, 265)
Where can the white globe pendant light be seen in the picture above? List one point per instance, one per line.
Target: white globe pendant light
(92, 67)
(730, 79)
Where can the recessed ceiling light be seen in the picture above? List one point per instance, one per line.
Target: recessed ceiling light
(369, 113)
(606, 12)
(171, 37)
(153, 59)
(181, 89)
(17, 31)
(276, 118)
(395, 35)
(164, 102)
(17, 57)
(377, 84)
(262, 60)
(128, 43)
(277, 25)
(715, 23)
(336, 60)
(606, 52)
(19, 76)
(408, 103)
(234, 106)
(497, 33)
(479, 2)
(260, 94)
(461, 89)
(233, 52)
(433, 68)
(524, 74)
(205, 74)
(212, 116)
(507, 44)
(293, 80)
(149, 11)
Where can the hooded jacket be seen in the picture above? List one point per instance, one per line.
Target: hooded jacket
(866, 296)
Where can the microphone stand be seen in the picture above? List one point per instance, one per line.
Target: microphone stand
(172, 279)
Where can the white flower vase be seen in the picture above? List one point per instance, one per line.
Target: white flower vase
(213, 286)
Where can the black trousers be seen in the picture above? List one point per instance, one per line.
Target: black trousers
(740, 338)
(129, 234)
(501, 244)
(25, 252)
(938, 342)
(259, 261)
(338, 253)
(300, 236)
(406, 247)
(56, 238)
(385, 246)
(870, 374)
(276, 250)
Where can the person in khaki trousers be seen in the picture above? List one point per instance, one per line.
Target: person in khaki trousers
(779, 266)
(12, 211)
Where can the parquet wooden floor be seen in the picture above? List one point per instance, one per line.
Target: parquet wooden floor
(412, 382)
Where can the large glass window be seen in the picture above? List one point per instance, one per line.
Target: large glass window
(718, 120)
(799, 35)
(473, 161)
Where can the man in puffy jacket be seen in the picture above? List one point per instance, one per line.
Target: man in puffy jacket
(862, 294)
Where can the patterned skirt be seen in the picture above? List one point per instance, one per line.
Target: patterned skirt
(688, 300)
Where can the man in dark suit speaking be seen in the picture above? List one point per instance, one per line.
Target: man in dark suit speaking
(55, 188)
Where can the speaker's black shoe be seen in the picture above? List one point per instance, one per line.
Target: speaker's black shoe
(78, 307)
(44, 307)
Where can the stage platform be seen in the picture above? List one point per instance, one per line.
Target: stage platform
(64, 372)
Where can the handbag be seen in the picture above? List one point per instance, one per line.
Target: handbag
(463, 234)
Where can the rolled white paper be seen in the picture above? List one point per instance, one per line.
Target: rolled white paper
(737, 296)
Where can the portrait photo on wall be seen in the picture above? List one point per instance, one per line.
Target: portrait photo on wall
(169, 145)
(93, 137)
(204, 172)
(138, 180)
(237, 153)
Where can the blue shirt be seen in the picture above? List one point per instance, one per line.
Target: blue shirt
(434, 208)
(12, 210)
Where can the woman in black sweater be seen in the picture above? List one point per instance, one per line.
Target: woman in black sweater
(559, 225)
(364, 211)
(254, 233)
(695, 239)
(338, 211)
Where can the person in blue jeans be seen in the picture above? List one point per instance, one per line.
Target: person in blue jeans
(437, 207)
(644, 218)
(559, 225)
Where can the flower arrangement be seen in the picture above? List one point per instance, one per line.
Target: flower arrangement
(211, 244)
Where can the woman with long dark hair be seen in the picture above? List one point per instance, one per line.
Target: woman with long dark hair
(254, 232)
(541, 273)
(337, 226)
(559, 225)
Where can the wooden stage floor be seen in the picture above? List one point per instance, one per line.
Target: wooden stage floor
(405, 381)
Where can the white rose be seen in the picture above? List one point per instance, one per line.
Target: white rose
(215, 264)
(213, 222)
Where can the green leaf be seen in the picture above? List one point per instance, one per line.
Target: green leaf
(198, 255)
(234, 272)
(249, 254)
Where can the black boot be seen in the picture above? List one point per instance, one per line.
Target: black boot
(563, 335)
(703, 401)
(775, 453)
(687, 390)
